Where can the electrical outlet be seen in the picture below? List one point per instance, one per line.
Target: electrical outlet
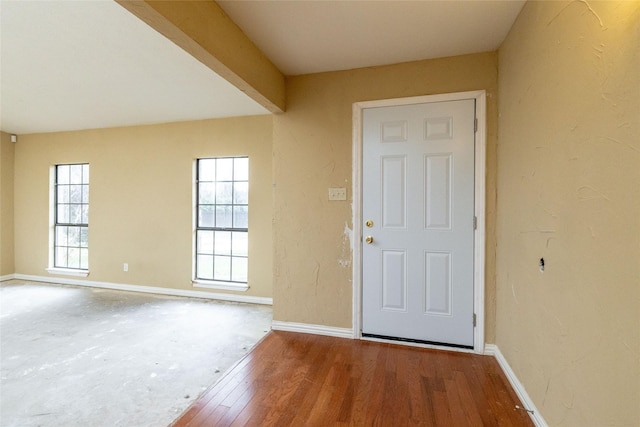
(125, 267)
(339, 193)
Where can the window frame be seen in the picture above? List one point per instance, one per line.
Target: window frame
(56, 267)
(216, 282)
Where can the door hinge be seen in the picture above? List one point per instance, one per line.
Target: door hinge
(475, 124)
(474, 320)
(475, 222)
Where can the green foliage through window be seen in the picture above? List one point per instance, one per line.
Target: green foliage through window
(71, 235)
(222, 219)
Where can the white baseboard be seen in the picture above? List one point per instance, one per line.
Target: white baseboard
(7, 277)
(147, 289)
(307, 328)
(534, 414)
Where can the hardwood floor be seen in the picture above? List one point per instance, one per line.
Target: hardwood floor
(293, 379)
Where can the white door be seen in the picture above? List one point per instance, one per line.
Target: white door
(418, 222)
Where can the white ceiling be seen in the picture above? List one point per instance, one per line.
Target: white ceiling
(67, 65)
(302, 37)
(70, 65)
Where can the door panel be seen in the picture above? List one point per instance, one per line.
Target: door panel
(418, 191)
(437, 200)
(438, 283)
(394, 280)
(394, 200)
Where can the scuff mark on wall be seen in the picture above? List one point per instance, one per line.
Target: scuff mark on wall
(589, 8)
(546, 391)
(287, 272)
(316, 275)
(551, 214)
(586, 192)
(549, 241)
(347, 247)
(609, 100)
(599, 52)
(569, 405)
(633, 352)
(617, 141)
(538, 231)
(593, 12)
(329, 167)
(513, 290)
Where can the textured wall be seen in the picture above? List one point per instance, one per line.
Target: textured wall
(7, 149)
(569, 191)
(312, 147)
(141, 204)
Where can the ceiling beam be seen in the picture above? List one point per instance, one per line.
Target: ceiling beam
(205, 31)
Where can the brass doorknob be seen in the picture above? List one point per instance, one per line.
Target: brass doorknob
(369, 239)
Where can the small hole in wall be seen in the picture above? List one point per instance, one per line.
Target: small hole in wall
(541, 264)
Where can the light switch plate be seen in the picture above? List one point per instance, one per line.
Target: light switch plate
(338, 193)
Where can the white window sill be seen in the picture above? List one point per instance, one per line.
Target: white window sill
(227, 286)
(68, 272)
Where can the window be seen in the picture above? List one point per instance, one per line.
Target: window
(222, 219)
(71, 217)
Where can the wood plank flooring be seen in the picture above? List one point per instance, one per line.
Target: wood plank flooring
(292, 379)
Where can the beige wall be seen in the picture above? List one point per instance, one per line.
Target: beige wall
(6, 204)
(569, 191)
(141, 197)
(313, 151)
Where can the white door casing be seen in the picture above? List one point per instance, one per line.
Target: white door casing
(424, 270)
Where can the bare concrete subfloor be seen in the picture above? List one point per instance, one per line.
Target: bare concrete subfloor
(73, 356)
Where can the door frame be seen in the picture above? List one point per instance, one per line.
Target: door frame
(479, 206)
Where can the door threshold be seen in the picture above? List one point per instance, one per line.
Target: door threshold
(419, 342)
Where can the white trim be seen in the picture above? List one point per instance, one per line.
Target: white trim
(194, 215)
(52, 215)
(490, 349)
(307, 328)
(7, 277)
(227, 286)
(480, 197)
(534, 414)
(67, 272)
(148, 289)
(480, 211)
(356, 209)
